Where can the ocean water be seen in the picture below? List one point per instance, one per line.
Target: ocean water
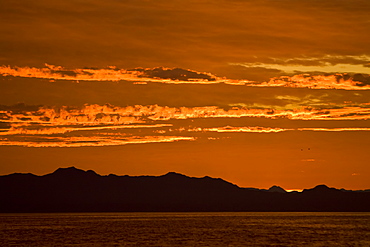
(185, 229)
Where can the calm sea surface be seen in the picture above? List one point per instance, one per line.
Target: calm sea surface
(185, 229)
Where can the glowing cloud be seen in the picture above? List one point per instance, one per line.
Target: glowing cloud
(62, 130)
(107, 125)
(258, 129)
(94, 141)
(95, 115)
(336, 81)
(138, 75)
(325, 64)
(334, 129)
(229, 129)
(186, 76)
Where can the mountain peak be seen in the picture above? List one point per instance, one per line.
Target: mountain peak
(72, 171)
(321, 188)
(67, 169)
(174, 174)
(276, 189)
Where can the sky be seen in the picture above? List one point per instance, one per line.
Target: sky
(259, 93)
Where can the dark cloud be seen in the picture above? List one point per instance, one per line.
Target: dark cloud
(174, 74)
(65, 72)
(362, 79)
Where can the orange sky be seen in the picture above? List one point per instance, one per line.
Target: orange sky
(259, 93)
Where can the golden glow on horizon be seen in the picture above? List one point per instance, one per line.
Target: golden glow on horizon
(294, 190)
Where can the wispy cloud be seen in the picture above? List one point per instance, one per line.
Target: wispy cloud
(228, 129)
(14, 130)
(44, 138)
(324, 64)
(334, 129)
(259, 129)
(93, 141)
(336, 81)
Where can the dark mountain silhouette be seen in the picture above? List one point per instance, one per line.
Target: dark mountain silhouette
(276, 189)
(74, 190)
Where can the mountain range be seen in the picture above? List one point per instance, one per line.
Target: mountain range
(75, 190)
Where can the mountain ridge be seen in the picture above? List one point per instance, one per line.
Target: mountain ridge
(72, 170)
(75, 190)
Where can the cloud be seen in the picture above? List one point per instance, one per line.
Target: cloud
(160, 74)
(192, 35)
(62, 130)
(185, 76)
(291, 102)
(336, 81)
(229, 129)
(259, 129)
(93, 141)
(52, 138)
(175, 74)
(352, 72)
(323, 64)
(100, 115)
(334, 129)
(107, 125)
